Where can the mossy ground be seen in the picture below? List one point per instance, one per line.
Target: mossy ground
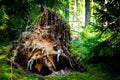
(95, 72)
(99, 71)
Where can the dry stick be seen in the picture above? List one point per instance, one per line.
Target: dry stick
(11, 72)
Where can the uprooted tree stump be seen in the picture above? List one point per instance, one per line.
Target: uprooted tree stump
(44, 48)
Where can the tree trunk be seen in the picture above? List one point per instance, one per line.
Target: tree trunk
(67, 10)
(44, 48)
(75, 13)
(87, 12)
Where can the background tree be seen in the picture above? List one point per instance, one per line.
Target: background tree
(75, 13)
(87, 12)
(67, 10)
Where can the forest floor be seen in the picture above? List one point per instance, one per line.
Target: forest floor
(96, 71)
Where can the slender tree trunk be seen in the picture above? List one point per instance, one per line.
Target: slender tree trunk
(105, 10)
(92, 15)
(75, 13)
(67, 10)
(87, 12)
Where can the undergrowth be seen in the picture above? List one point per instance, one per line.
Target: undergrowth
(94, 72)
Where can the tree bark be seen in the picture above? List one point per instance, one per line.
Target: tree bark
(75, 13)
(87, 12)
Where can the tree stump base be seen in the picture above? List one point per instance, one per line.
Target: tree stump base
(44, 48)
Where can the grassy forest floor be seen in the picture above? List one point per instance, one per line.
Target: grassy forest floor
(99, 71)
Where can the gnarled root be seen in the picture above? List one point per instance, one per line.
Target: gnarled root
(30, 63)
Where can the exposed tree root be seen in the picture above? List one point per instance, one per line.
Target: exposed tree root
(44, 48)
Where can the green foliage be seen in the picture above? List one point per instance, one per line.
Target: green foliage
(4, 49)
(15, 18)
(88, 39)
(55, 4)
(110, 15)
(8, 72)
(97, 72)
(107, 24)
(94, 42)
